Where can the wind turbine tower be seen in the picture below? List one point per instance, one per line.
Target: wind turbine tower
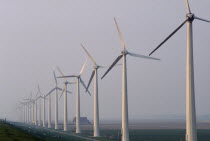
(124, 53)
(78, 80)
(191, 131)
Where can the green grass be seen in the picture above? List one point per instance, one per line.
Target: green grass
(11, 133)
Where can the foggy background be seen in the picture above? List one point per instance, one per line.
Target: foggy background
(36, 36)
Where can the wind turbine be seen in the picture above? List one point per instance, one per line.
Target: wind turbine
(43, 111)
(19, 108)
(30, 109)
(38, 113)
(79, 79)
(96, 105)
(56, 101)
(24, 111)
(34, 107)
(27, 107)
(34, 110)
(35, 114)
(28, 112)
(191, 131)
(49, 104)
(125, 132)
(65, 112)
(39, 120)
(31, 102)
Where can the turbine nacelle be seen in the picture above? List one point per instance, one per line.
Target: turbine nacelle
(96, 66)
(190, 16)
(124, 52)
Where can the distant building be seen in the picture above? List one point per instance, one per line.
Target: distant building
(83, 120)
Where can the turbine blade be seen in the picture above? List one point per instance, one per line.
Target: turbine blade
(37, 98)
(120, 34)
(61, 73)
(201, 19)
(69, 92)
(113, 64)
(187, 6)
(36, 95)
(168, 37)
(71, 82)
(50, 91)
(31, 95)
(67, 76)
(142, 56)
(26, 99)
(59, 88)
(64, 89)
(81, 71)
(109, 66)
(89, 55)
(92, 75)
(39, 89)
(56, 82)
(83, 84)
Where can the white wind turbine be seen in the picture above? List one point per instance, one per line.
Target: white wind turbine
(38, 111)
(39, 119)
(49, 104)
(65, 108)
(43, 111)
(34, 108)
(24, 111)
(96, 103)
(191, 131)
(125, 132)
(27, 104)
(56, 101)
(28, 112)
(79, 79)
(31, 102)
(35, 111)
(19, 108)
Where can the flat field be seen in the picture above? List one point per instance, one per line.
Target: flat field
(156, 135)
(107, 134)
(12, 133)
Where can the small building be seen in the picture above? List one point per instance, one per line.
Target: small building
(83, 120)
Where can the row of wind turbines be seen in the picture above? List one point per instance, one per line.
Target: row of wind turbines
(191, 132)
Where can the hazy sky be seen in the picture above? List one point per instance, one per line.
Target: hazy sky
(37, 35)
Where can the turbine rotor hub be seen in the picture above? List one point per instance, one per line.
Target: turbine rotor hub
(96, 67)
(190, 17)
(124, 52)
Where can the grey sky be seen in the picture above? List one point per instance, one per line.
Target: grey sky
(35, 36)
